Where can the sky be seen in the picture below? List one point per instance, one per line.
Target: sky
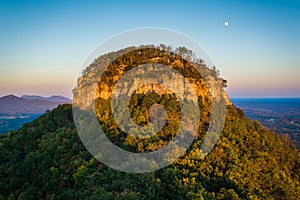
(44, 43)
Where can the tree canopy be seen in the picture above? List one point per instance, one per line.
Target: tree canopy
(45, 159)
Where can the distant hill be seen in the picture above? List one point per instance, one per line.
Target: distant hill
(11, 105)
(53, 98)
(16, 111)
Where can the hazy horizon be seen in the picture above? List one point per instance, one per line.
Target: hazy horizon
(231, 98)
(44, 43)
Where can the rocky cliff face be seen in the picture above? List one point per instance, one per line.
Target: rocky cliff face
(91, 85)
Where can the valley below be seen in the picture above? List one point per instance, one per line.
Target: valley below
(281, 115)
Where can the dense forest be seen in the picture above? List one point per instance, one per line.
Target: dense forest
(46, 159)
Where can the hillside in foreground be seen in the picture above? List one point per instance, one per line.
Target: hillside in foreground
(45, 159)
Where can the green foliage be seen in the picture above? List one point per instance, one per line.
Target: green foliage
(46, 160)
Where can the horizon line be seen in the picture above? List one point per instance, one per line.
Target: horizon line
(235, 97)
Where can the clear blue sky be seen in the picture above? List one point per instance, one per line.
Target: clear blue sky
(44, 43)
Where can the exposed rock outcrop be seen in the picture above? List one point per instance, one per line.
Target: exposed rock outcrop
(91, 85)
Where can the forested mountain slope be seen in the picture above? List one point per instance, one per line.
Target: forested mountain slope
(46, 160)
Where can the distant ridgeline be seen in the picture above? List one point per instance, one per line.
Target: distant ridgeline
(16, 111)
(46, 159)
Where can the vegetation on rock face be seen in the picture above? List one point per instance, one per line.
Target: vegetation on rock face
(139, 111)
(45, 159)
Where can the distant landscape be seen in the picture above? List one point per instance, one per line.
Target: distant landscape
(281, 115)
(16, 111)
